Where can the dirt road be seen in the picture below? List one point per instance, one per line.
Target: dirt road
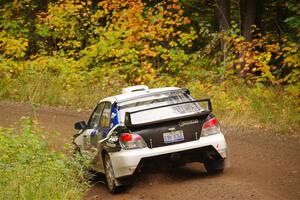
(262, 165)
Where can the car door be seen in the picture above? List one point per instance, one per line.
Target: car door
(106, 123)
(87, 140)
(103, 119)
(100, 125)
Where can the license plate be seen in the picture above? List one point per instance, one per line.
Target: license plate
(174, 136)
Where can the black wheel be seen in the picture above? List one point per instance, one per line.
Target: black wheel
(110, 176)
(214, 166)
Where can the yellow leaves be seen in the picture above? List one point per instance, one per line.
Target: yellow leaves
(291, 55)
(12, 47)
(148, 52)
(145, 73)
(173, 44)
(186, 20)
(288, 48)
(67, 22)
(138, 80)
(187, 38)
(264, 59)
(126, 35)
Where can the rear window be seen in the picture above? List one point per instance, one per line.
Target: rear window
(159, 113)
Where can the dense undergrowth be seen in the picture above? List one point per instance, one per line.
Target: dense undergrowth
(73, 53)
(259, 106)
(234, 101)
(29, 170)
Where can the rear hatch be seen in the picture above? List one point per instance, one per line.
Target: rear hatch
(171, 132)
(169, 124)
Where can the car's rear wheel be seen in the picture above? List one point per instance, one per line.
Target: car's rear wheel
(214, 166)
(109, 175)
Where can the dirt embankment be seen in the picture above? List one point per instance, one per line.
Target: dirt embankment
(262, 165)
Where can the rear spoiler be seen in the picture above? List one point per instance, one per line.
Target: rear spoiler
(128, 121)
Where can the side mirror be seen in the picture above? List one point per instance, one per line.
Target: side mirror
(80, 125)
(127, 119)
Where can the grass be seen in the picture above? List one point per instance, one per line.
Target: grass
(43, 88)
(235, 103)
(29, 170)
(256, 106)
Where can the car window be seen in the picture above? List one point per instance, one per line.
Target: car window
(161, 113)
(95, 117)
(105, 118)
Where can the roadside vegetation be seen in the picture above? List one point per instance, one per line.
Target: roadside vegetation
(243, 54)
(29, 170)
(72, 53)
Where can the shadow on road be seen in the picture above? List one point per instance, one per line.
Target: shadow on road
(150, 176)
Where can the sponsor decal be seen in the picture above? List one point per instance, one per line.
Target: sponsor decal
(184, 123)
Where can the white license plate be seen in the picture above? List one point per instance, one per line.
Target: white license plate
(174, 136)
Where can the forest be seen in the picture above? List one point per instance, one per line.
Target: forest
(243, 54)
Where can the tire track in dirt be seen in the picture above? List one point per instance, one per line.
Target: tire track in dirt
(262, 165)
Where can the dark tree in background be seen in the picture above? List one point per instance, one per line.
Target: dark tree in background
(223, 14)
(46, 27)
(248, 11)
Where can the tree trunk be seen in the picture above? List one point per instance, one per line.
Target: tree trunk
(223, 15)
(223, 8)
(248, 17)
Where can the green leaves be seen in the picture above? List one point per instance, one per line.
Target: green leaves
(29, 170)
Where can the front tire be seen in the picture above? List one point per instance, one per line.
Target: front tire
(110, 176)
(215, 166)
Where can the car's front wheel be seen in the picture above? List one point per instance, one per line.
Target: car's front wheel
(109, 175)
(215, 166)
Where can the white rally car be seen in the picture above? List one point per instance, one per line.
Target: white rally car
(144, 125)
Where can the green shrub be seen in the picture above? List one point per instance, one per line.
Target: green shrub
(29, 170)
(56, 81)
(64, 81)
(236, 103)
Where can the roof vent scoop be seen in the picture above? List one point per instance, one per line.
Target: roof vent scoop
(136, 88)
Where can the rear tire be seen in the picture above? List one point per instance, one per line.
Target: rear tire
(215, 166)
(111, 181)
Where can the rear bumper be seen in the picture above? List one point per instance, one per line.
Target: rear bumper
(125, 162)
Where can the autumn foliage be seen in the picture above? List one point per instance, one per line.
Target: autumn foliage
(82, 48)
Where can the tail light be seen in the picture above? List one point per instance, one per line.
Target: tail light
(210, 127)
(131, 141)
